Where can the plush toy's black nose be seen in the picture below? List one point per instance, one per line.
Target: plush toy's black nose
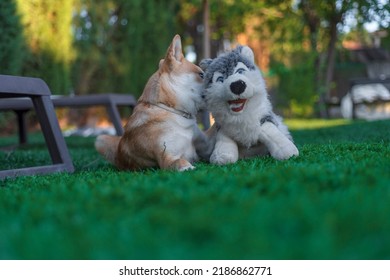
(238, 87)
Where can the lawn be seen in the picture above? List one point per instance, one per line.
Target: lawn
(331, 202)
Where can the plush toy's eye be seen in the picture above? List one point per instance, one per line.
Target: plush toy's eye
(220, 79)
(240, 70)
(201, 75)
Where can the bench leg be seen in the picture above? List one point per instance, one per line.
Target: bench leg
(52, 132)
(54, 140)
(22, 127)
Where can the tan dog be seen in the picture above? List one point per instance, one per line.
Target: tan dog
(162, 131)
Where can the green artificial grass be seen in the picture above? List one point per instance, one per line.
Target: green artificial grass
(331, 202)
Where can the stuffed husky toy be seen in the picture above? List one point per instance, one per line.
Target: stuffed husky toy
(245, 124)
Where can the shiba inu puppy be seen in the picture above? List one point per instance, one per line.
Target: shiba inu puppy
(245, 124)
(162, 130)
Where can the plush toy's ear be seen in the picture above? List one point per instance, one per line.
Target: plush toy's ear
(204, 63)
(248, 53)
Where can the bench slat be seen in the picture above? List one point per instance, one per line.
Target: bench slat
(109, 100)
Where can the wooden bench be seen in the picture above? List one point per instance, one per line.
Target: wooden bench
(366, 81)
(110, 100)
(38, 93)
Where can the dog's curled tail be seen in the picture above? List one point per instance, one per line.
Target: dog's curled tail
(107, 146)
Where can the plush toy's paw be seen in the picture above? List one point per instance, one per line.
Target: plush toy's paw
(285, 151)
(223, 158)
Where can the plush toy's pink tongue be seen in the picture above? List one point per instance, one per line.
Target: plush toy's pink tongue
(237, 105)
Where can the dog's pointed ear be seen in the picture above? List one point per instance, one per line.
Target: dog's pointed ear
(160, 64)
(248, 53)
(205, 63)
(173, 56)
(175, 50)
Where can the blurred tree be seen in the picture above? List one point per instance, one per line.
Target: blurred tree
(329, 18)
(227, 19)
(283, 36)
(272, 28)
(11, 40)
(306, 32)
(386, 41)
(11, 51)
(115, 45)
(48, 33)
(120, 43)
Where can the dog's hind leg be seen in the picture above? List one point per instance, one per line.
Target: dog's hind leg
(180, 164)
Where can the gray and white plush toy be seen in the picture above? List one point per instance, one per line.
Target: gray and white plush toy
(245, 124)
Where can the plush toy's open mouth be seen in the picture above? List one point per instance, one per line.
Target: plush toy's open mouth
(237, 105)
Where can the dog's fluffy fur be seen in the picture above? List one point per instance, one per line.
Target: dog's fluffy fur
(245, 124)
(157, 134)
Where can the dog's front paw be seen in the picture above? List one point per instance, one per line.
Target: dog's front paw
(223, 158)
(285, 151)
(186, 168)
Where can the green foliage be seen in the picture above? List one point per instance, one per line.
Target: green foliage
(47, 31)
(386, 40)
(314, 26)
(11, 40)
(330, 203)
(115, 45)
(296, 89)
(228, 17)
(120, 43)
